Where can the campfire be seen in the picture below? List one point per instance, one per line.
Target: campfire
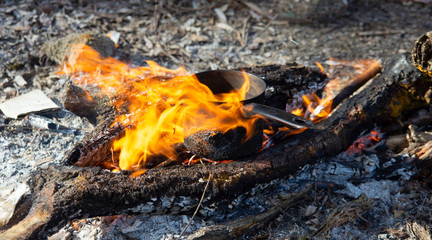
(336, 143)
(166, 108)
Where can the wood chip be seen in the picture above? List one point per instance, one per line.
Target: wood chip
(34, 101)
(221, 15)
(224, 26)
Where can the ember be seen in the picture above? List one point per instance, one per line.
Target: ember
(364, 142)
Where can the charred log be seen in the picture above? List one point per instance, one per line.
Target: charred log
(84, 192)
(229, 145)
(422, 57)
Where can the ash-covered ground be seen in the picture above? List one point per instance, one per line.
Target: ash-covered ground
(199, 35)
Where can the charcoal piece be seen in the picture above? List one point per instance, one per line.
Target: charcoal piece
(216, 145)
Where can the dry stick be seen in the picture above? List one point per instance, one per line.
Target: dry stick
(377, 33)
(244, 33)
(156, 16)
(346, 212)
(199, 204)
(359, 81)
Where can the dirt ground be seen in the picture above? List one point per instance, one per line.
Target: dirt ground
(199, 35)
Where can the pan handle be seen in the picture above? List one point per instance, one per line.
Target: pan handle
(275, 114)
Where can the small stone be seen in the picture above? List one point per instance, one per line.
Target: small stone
(310, 210)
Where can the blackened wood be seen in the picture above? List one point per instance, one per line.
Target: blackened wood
(398, 90)
(85, 192)
(96, 107)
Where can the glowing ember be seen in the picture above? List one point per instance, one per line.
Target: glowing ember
(161, 103)
(365, 142)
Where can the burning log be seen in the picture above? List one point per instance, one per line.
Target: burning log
(75, 192)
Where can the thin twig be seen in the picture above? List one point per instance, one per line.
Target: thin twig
(156, 16)
(265, 14)
(199, 204)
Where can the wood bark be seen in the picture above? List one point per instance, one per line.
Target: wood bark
(75, 192)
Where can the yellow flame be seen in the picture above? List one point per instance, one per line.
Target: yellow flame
(164, 105)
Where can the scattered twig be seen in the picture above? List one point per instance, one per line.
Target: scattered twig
(265, 14)
(345, 213)
(156, 15)
(199, 204)
(243, 34)
(377, 33)
(31, 142)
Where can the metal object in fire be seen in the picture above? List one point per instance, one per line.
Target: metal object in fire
(224, 81)
(233, 144)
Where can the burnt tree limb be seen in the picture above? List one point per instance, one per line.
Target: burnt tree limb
(76, 192)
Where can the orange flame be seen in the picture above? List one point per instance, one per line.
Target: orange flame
(164, 105)
(315, 108)
(320, 66)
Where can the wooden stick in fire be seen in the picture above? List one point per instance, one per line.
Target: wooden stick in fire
(359, 81)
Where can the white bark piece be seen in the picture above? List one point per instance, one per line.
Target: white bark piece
(20, 80)
(34, 101)
(9, 197)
